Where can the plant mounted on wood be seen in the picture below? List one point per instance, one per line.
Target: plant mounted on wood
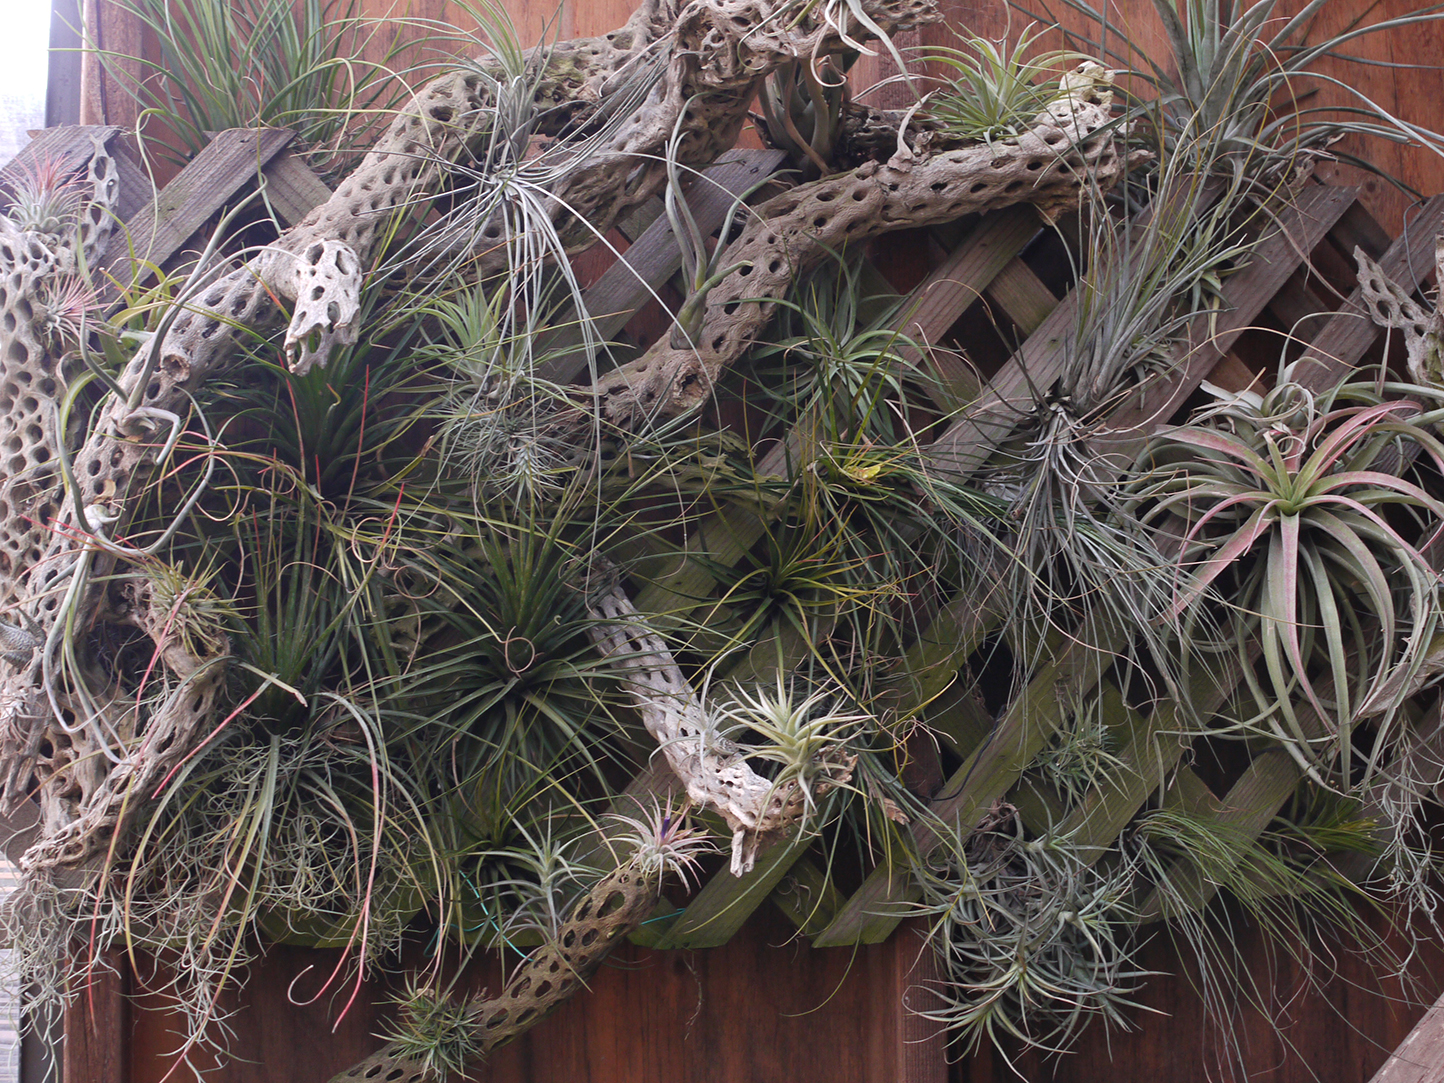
(1304, 514)
(336, 613)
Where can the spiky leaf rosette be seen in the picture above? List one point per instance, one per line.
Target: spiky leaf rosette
(1304, 520)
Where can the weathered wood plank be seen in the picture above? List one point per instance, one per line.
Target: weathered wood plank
(291, 188)
(137, 190)
(630, 282)
(807, 896)
(97, 1026)
(1023, 296)
(158, 231)
(1419, 1057)
(1359, 227)
(725, 902)
(1346, 337)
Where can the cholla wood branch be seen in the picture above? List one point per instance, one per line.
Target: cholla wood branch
(1391, 306)
(1069, 146)
(716, 775)
(687, 72)
(615, 906)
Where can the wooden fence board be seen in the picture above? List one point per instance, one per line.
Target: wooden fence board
(1023, 296)
(198, 192)
(292, 189)
(1350, 333)
(630, 282)
(725, 902)
(1420, 1057)
(808, 897)
(97, 1026)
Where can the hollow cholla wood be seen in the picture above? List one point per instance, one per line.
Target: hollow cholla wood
(757, 810)
(616, 905)
(1391, 306)
(43, 297)
(82, 818)
(42, 294)
(1069, 146)
(713, 54)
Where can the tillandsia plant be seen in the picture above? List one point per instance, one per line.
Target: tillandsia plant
(357, 630)
(1305, 517)
(1238, 80)
(262, 63)
(991, 89)
(1034, 942)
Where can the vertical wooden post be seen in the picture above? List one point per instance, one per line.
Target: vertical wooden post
(919, 1047)
(105, 83)
(97, 1027)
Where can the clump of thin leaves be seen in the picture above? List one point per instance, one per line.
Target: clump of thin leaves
(1082, 757)
(261, 63)
(804, 737)
(435, 1030)
(1238, 79)
(661, 842)
(1213, 882)
(1034, 942)
(993, 90)
(1303, 517)
(1076, 554)
(803, 106)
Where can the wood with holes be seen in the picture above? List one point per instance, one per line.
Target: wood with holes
(637, 1024)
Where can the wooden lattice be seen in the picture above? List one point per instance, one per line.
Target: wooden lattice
(991, 266)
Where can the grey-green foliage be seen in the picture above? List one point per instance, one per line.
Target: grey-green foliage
(991, 90)
(263, 63)
(1239, 78)
(1034, 943)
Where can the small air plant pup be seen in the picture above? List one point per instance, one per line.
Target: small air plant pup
(1305, 529)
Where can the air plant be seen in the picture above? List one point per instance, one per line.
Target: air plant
(436, 1031)
(46, 199)
(1302, 522)
(805, 737)
(992, 91)
(1243, 76)
(1073, 545)
(1210, 880)
(493, 417)
(661, 842)
(1033, 942)
(803, 107)
(260, 63)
